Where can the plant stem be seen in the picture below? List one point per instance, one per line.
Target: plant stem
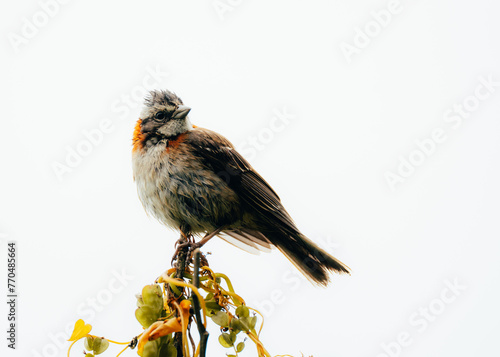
(180, 266)
(196, 282)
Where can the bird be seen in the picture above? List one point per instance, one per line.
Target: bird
(193, 179)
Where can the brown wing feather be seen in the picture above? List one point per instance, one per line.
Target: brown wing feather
(273, 224)
(253, 190)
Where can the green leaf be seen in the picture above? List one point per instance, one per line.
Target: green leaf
(167, 348)
(248, 323)
(227, 340)
(235, 325)
(221, 319)
(211, 313)
(88, 343)
(242, 311)
(245, 324)
(100, 345)
(253, 322)
(240, 346)
(153, 297)
(146, 316)
(213, 305)
(151, 349)
(232, 336)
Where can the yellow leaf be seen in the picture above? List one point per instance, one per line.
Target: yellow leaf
(81, 330)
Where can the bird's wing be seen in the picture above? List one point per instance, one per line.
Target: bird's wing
(274, 226)
(255, 193)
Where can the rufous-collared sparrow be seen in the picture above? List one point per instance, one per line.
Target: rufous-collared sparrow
(193, 179)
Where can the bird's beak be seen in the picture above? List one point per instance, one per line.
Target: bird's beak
(181, 112)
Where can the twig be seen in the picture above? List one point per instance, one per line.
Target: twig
(196, 282)
(181, 260)
(180, 266)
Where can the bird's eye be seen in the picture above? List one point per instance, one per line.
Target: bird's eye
(160, 115)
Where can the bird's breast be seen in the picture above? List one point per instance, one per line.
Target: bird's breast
(175, 187)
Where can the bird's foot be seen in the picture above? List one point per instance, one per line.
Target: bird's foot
(188, 241)
(183, 242)
(191, 248)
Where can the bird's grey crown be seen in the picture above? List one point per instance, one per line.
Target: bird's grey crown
(162, 97)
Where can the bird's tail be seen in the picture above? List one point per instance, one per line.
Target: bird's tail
(311, 260)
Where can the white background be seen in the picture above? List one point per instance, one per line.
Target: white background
(355, 118)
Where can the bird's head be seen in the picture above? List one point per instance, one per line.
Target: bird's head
(164, 115)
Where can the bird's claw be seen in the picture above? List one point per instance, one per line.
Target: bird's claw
(180, 246)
